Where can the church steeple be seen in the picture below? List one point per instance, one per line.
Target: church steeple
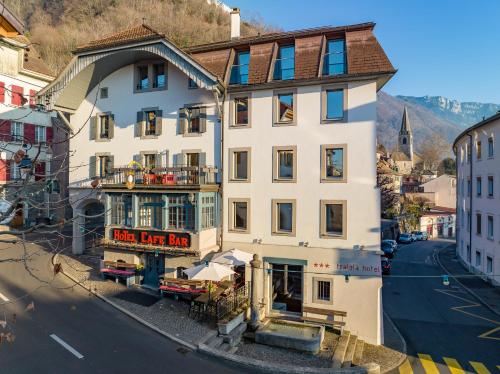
(405, 141)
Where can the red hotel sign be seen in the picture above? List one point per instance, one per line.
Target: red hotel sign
(156, 238)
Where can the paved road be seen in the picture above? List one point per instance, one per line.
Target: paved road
(445, 329)
(67, 323)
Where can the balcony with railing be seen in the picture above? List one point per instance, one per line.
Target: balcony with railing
(183, 177)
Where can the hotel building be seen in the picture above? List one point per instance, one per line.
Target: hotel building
(266, 144)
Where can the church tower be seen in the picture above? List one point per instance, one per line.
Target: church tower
(405, 141)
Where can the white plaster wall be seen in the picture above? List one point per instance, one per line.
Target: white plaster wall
(445, 190)
(124, 104)
(485, 205)
(363, 205)
(359, 297)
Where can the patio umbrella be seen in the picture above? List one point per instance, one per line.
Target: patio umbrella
(210, 272)
(233, 257)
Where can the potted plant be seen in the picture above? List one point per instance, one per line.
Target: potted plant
(139, 273)
(230, 322)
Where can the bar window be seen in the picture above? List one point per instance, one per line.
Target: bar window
(40, 134)
(207, 212)
(491, 147)
(333, 219)
(180, 212)
(239, 215)
(17, 132)
(283, 217)
(284, 66)
(323, 291)
(239, 70)
(334, 62)
(239, 159)
(285, 164)
(150, 211)
(121, 209)
(334, 160)
(241, 111)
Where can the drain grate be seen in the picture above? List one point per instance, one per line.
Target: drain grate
(183, 351)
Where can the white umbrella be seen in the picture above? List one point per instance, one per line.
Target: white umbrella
(211, 272)
(233, 257)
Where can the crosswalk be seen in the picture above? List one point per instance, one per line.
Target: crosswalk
(424, 363)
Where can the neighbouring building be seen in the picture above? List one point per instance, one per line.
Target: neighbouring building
(478, 198)
(27, 127)
(443, 190)
(439, 222)
(266, 144)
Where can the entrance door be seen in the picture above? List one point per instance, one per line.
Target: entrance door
(155, 266)
(286, 288)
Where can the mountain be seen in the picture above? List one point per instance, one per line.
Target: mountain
(56, 27)
(429, 116)
(461, 113)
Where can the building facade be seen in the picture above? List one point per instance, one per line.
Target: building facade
(478, 198)
(27, 129)
(265, 144)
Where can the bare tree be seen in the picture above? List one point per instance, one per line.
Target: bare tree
(432, 151)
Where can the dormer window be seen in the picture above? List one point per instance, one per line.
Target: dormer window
(150, 76)
(239, 70)
(334, 62)
(143, 77)
(284, 66)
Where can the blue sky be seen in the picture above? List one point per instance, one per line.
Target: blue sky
(440, 47)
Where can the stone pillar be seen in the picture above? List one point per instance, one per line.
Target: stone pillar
(78, 235)
(256, 265)
(285, 280)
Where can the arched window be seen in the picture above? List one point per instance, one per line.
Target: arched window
(404, 140)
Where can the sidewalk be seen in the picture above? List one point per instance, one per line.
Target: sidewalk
(484, 292)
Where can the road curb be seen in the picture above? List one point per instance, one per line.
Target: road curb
(125, 311)
(475, 295)
(267, 367)
(405, 348)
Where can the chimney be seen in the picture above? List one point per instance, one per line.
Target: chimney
(235, 23)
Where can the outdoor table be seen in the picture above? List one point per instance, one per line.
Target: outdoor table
(129, 276)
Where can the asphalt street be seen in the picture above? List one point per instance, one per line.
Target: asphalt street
(445, 329)
(62, 329)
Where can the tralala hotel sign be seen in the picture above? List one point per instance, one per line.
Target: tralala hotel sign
(154, 238)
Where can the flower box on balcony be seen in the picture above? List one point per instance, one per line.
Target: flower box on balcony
(149, 178)
(169, 179)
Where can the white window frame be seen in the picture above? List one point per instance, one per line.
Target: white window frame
(40, 130)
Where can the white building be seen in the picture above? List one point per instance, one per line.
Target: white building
(478, 198)
(25, 126)
(294, 154)
(443, 190)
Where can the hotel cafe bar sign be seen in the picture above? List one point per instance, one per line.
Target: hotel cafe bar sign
(155, 238)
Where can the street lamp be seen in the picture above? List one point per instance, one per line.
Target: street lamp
(25, 166)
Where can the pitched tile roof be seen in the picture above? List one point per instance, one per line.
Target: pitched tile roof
(364, 54)
(134, 34)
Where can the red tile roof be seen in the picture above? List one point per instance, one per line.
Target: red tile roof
(133, 34)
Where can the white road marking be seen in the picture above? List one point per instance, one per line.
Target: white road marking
(3, 297)
(66, 345)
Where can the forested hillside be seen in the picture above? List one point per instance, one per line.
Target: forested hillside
(58, 26)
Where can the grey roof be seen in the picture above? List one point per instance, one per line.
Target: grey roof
(405, 123)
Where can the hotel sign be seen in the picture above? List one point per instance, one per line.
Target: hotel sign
(155, 238)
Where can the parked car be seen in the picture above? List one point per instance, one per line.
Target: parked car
(391, 242)
(386, 266)
(405, 238)
(420, 235)
(387, 249)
